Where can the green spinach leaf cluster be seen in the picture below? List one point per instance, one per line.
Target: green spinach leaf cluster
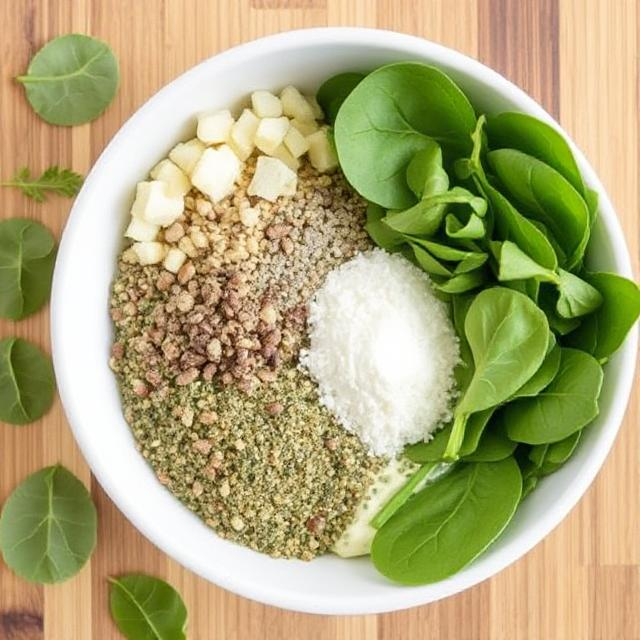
(495, 210)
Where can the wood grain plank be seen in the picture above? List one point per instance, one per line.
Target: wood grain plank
(600, 107)
(519, 38)
(579, 58)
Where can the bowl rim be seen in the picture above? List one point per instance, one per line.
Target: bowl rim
(404, 597)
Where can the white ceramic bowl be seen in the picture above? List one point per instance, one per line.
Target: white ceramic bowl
(81, 328)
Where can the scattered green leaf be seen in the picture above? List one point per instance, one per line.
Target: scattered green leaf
(71, 80)
(27, 256)
(147, 608)
(26, 382)
(48, 526)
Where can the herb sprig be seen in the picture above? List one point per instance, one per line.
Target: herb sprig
(63, 182)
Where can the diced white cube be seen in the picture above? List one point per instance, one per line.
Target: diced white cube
(174, 260)
(295, 142)
(187, 154)
(271, 133)
(305, 127)
(282, 153)
(176, 179)
(214, 127)
(216, 172)
(322, 155)
(318, 114)
(243, 133)
(266, 105)
(155, 204)
(141, 231)
(149, 252)
(272, 179)
(295, 105)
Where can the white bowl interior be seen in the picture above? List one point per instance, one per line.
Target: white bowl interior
(82, 329)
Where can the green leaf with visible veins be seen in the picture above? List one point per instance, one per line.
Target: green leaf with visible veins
(71, 80)
(27, 255)
(48, 526)
(146, 608)
(26, 382)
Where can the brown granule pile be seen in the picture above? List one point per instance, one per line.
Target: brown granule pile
(206, 362)
(237, 308)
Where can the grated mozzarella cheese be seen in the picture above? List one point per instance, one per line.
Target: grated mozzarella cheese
(382, 351)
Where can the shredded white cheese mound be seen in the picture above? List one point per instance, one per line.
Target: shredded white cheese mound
(382, 350)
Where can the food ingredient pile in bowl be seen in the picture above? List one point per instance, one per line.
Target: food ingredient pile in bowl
(364, 325)
(387, 374)
(206, 362)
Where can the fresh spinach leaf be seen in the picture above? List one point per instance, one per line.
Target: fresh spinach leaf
(525, 133)
(428, 262)
(602, 332)
(475, 428)
(499, 324)
(448, 524)
(568, 404)
(548, 458)
(48, 526)
(335, 90)
(463, 282)
(577, 297)
(529, 483)
(515, 264)
(591, 198)
(433, 451)
(542, 377)
(463, 371)
(547, 196)
(396, 111)
(27, 255)
(422, 219)
(63, 182)
(508, 336)
(146, 608)
(383, 235)
(425, 217)
(547, 301)
(473, 229)
(26, 382)
(494, 444)
(71, 80)
(402, 495)
(425, 174)
(447, 252)
(510, 224)
(471, 262)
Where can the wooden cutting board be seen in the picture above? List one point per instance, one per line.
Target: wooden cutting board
(579, 58)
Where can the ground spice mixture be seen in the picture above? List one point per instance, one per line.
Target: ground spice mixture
(206, 362)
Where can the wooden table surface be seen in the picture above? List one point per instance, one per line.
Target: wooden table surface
(579, 58)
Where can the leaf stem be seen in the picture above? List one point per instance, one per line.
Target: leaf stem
(451, 453)
(402, 495)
